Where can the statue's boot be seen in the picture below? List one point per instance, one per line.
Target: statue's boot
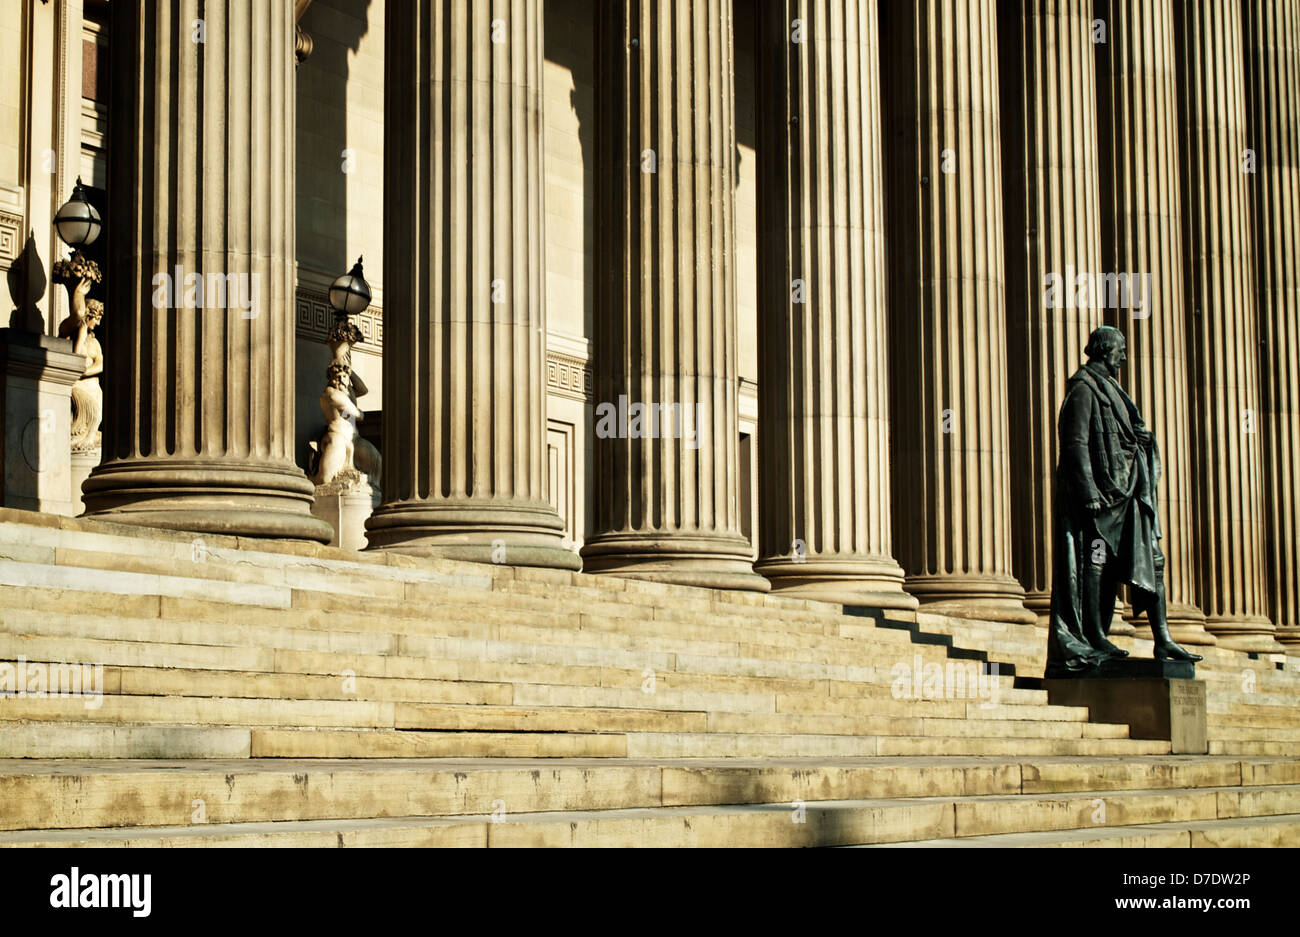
(1097, 612)
(1166, 648)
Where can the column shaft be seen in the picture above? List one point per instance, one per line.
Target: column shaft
(198, 427)
(824, 520)
(1219, 266)
(952, 515)
(666, 371)
(1272, 31)
(464, 399)
(1142, 235)
(1053, 221)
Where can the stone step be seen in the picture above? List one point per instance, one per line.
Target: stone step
(865, 703)
(197, 711)
(681, 745)
(1261, 733)
(378, 743)
(1245, 833)
(153, 681)
(1231, 745)
(1279, 717)
(631, 694)
(201, 711)
(344, 743)
(43, 740)
(820, 823)
(671, 691)
(764, 723)
(497, 719)
(1027, 747)
(70, 794)
(46, 740)
(988, 710)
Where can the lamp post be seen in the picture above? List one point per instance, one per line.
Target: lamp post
(78, 225)
(345, 467)
(350, 294)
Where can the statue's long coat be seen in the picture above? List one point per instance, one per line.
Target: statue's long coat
(1107, 455)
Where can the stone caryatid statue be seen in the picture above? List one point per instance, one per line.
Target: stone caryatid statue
(335, 449)
(87, 395)
(343, 458)
(1107, 524)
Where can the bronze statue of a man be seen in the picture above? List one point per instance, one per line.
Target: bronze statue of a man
(1107, 526)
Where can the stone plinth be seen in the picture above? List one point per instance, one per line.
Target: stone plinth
(38, 372)
(346, 505)
(83, 463)
(1165, 708)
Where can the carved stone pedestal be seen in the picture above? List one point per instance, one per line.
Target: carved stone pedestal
(345, 504)
(83, 462)
(38, 372)
(1165, 708)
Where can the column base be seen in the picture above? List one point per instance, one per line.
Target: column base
(988, 598)
(1040, 603)
(228, 496)
(683, 560)
(1245, 633)
(859, 580)
(496, 532)
(1289, 638)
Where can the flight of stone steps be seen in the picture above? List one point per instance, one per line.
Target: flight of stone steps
(279, 682)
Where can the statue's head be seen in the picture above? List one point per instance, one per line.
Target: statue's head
(1106, 346)
(94, 312)
(338, 376)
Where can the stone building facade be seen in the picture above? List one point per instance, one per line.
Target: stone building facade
(745, 294)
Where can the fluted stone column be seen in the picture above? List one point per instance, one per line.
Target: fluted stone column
(1272, 37)
(464, 273)
(1219, 264)
(198, 424)
(667, 505)
(824, 522)
(1142, 234)
(951, 465)
(1053, 222)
